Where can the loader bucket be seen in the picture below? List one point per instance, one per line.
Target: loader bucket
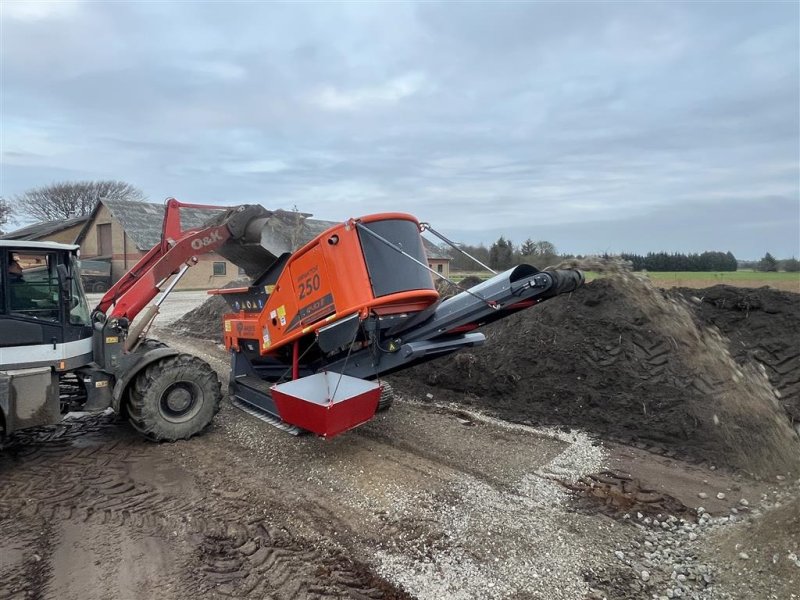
(259, 237)
(326, 403)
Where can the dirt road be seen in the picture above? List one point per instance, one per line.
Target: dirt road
(426, 501)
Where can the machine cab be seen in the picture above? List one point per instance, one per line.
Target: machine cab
(44, 328)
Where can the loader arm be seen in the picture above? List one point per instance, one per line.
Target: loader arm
(141, 284)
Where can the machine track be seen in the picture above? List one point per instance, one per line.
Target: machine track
(84, 472)
(652, 356)
(782, 363)
(387, 398)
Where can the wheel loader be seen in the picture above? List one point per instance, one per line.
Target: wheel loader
(309, 339)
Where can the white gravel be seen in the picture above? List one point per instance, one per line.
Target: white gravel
(498, 543)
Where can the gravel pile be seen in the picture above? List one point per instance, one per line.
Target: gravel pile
(501, 542)
(670, 556)
(663, 557)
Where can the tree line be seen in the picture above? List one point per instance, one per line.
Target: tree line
(503, 254)
(771, 264)
(676, 261)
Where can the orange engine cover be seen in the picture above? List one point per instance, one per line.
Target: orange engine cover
(341, 272)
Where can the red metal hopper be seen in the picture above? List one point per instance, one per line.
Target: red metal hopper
(326, 403)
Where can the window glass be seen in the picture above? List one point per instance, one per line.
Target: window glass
(220, 268)
(79, 309)
(33, 285)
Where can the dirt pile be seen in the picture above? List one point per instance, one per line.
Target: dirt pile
(621, 358)
(447, 289)
(763, 326)
(205, 321)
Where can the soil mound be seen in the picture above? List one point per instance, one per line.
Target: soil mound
(763, 326)
(625, 360)
(447, 289)
(205, 321)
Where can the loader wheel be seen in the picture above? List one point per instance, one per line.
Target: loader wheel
(387, 397)
(174, 398)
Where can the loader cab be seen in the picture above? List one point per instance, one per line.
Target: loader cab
(42, 302)
(44, 328)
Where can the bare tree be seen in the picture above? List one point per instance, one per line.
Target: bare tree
(544, 248)
(72, 199)
(5, 214)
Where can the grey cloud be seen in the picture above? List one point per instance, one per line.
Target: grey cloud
(485, 118)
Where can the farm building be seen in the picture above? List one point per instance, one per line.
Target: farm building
(122, 231)
(63, 231)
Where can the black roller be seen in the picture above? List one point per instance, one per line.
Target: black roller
(565, 281)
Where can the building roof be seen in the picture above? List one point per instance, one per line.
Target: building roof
(40, 230)
(29, 245)
(142, 222)
(435, 252)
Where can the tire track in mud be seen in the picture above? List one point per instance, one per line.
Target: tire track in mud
(80, 471)
(782, 365)
(762, 326)
(32, 546)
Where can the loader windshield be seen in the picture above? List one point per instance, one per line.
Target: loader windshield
(79, 307)
(33, 285)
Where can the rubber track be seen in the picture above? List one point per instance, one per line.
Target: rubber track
(388, 396)
(46, 477)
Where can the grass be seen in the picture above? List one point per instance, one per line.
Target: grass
(782, 281)
(728, 276)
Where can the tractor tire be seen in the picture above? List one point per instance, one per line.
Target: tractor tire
(387, 397)
(145, 345)
(174, 398)
(99, 287)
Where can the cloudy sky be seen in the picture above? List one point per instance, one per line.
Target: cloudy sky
(600, 127)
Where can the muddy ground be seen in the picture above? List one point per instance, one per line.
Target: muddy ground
(454, 496)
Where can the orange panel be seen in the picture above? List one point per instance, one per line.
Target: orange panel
(323, 281)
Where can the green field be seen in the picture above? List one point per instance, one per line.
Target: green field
(783, 281)
(723, 276)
